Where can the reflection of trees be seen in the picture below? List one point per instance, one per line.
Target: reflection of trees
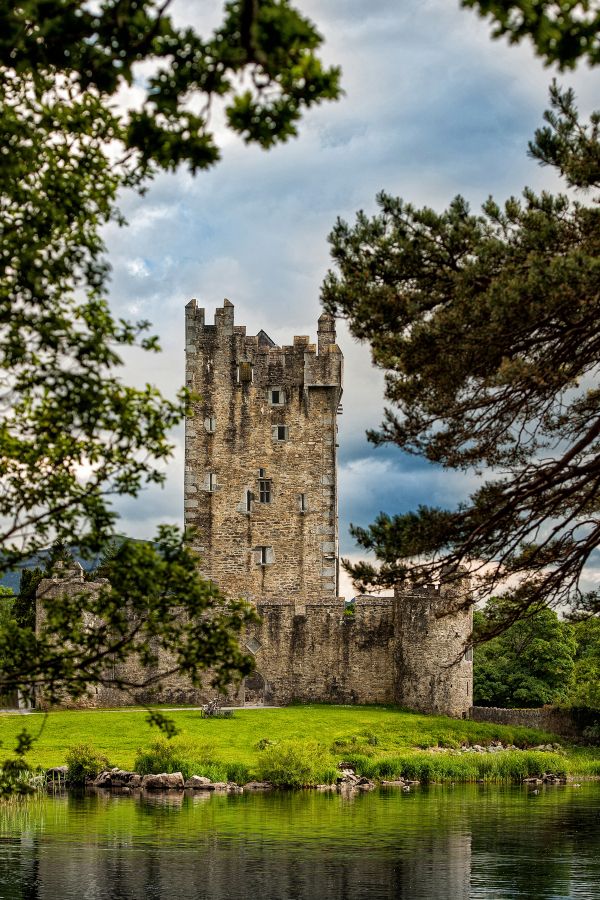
(541, 844)
(433, 844)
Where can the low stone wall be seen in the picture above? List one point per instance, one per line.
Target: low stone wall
(407, 650)
(546, 718)
(320, 654)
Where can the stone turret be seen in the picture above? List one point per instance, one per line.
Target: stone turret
(434, 672)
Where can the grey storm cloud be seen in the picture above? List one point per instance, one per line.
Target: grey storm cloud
(432, 108)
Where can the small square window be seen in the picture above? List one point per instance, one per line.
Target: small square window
(253, 645)
(264, 490)
(280, 432)
(276, 397)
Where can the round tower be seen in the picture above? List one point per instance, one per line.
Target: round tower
(434, 668)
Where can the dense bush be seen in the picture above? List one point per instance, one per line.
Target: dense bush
(84, 763)
(296, 764)
(179, 755)
(527, 665)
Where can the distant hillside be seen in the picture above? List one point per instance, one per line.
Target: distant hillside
(12, 578)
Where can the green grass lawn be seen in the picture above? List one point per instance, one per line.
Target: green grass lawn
(380, 740)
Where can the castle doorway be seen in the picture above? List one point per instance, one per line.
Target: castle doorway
(254, 690)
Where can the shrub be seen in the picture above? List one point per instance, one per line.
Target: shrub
(84, 763)
(238, 772)
(296, 764)
(179, 755)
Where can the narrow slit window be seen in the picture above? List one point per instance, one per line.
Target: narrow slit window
(263, 555)
(249, 498)
(210, 424)
(303, 503)
(264, 490)
(211, 481)
(245, 373)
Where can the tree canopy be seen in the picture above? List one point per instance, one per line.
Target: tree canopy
(561, 31)
(585, 690)
(73, 435)
(528, 665)
(487, 327)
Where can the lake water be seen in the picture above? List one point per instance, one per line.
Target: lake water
(467, 841)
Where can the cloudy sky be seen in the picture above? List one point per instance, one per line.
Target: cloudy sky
(432, 108)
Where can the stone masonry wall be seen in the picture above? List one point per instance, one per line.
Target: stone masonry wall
(266, 417)
(318, 653)
(152, 685)
(546, 718)
(322, 655)
(433, 671)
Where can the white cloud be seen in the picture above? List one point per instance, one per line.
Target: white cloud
(138, 268)
(432, 108)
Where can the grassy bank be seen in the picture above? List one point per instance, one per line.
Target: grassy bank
(304, 743)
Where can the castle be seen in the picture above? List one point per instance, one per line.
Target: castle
(261, 498)
(261, 495)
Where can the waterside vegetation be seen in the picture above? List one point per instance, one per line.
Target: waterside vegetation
(302, 745)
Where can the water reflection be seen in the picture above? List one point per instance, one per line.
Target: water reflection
(439, 843)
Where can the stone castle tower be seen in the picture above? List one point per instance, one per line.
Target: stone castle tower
(260, 453)
(261, 492)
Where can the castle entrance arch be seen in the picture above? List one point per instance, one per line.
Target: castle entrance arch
(255, 689)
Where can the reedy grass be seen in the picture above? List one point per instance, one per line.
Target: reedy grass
(189, 758)
(502, 766)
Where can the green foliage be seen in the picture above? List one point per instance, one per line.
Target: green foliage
(74, 436)
(84, 764)
(7, 606)
(486, 327)
(16, 775)
(95, 52)
(154, 601)
(188, 757)
(24, 608)
(585, 688)
(294, 764)
(561, 32)
(529, 664)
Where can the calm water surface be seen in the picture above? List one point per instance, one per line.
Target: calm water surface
(437, 842)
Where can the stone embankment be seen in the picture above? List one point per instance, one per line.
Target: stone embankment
(125, 782)
(494, 747)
